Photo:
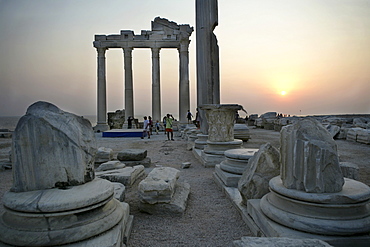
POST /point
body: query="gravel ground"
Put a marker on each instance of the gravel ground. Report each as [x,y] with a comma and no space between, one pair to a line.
[210,219]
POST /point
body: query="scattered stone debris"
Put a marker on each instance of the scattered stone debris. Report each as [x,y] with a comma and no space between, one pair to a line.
[185,165]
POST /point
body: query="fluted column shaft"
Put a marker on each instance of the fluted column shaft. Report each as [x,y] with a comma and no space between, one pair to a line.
[129,91]
[102,92]
[156,89]
[184,91]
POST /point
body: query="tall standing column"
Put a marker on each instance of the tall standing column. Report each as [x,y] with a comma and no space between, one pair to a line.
[156,89]
[102,92]
[208,77]
[184,94]
[129,91]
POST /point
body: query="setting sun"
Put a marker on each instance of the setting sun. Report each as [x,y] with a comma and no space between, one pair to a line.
[283,93]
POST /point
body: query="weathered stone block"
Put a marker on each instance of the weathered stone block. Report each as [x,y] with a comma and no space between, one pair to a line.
[145,162]
[110,165]
[132,154]
[241,132]
[333,130]
[119,191]
[126,176]
[309,158]
[363,136]
[176,206]
[48,143]
[352,134]
[185,165]
[263,166]
[103,155]
[349,170]
[159,185]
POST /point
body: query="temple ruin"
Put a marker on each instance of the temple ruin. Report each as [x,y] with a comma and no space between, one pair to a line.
[164,34]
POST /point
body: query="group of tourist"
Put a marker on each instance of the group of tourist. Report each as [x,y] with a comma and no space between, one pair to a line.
[167,123]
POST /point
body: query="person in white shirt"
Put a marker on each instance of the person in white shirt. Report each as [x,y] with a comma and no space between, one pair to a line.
[146,129]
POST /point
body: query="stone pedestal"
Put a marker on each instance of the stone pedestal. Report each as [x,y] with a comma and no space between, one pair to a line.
[220,119]
[192,137]
[56,199]
[236,162]
[213,153]
[311,196]
[201,141]
[341,213]
[63,216]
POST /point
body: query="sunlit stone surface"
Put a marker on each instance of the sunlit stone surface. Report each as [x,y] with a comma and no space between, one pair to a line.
[55,199]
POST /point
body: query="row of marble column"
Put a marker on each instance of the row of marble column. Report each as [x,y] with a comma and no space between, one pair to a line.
[184,94]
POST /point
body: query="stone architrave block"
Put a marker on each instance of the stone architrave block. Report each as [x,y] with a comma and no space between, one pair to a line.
[103,155]
[110,165]
[349,170]
[159,185]
[363,136]
[353,133]
[309,158]
[52,148]
[126,176]
[264,165]
[132,155]
[119,191]
[279,242]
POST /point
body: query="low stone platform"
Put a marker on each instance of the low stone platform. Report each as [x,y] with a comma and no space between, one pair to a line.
[123,133]
[229,179]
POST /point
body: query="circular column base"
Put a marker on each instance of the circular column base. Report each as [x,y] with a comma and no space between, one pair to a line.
[343,213]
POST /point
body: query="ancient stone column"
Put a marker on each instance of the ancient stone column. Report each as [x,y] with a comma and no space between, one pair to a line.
[184,94]
[102,94]
[221,118]
[311,194]
[208,76]
[129,93]
[156,89]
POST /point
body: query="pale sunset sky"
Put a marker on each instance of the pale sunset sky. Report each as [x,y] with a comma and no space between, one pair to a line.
[291,56]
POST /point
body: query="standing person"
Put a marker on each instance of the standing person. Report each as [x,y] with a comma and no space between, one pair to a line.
[169,122]
[157,125]
[189,116]
[164,123]
[150,125]
[197,119]
[129,122]
[146,128]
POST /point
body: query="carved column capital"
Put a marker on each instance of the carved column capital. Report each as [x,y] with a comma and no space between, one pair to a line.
[155,52]
[184,46]
[101,51]
[127,51]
